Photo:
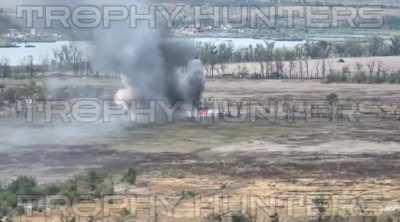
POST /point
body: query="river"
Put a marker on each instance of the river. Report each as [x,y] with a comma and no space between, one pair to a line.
[41,51]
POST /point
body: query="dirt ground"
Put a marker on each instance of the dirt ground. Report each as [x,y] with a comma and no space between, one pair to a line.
[222,157]
[245,148]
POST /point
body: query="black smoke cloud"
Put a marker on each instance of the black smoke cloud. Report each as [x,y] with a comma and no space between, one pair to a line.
[153,65]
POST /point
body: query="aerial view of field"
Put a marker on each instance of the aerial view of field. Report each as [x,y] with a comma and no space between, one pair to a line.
[104,117]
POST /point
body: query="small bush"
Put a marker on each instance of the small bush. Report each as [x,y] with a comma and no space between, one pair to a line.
[130,176]
[20,210]
[23,185]
[8,199]
[69,188]
[332,98]
[10,95]
[239,217]
[360,77]
[188,194]
[394,77]
[93,180]
[8,194]
[51,189]
[333,77]
[4,211]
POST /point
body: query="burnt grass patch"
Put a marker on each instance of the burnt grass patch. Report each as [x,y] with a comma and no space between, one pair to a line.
[64,159]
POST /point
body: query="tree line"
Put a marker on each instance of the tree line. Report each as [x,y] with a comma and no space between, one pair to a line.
[66,59]
[272,60]
[95,182]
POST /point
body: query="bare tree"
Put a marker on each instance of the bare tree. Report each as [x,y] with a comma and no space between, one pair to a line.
[269,50]
[5,67]
[323,68]
[301,68]
[371,67]
[209,56]
[29,66]
[292,65]
[359,67]
[376,45]
[316,64]
[379,69]
[260,53]
[307,68]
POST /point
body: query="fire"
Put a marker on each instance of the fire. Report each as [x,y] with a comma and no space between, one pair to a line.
[123,96]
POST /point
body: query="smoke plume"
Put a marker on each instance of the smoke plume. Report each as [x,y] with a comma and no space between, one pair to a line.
[153,65]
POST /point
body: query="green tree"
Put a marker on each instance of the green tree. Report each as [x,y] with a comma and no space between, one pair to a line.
[395,47]
[130,176]
[93,180]
[34,90]
[376,45]
[320,203]
[5,68]
[23,185]
[240,217]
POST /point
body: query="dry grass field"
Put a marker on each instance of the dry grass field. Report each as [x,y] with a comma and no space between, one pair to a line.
[210,159]
[315,67]
[66,149]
